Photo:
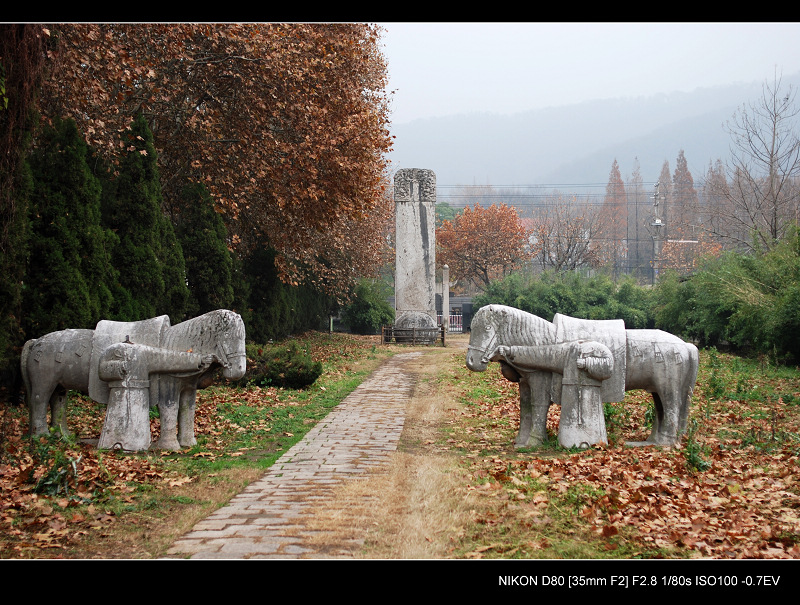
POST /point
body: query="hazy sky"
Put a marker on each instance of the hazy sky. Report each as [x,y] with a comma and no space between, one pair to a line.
[448,68]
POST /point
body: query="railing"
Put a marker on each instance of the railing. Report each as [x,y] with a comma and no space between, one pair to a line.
[456,323]
[412,336]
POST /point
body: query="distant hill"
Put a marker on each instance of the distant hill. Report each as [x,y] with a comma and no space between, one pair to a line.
[576,144]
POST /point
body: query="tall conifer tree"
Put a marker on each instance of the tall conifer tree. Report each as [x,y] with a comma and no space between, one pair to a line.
[664,208]
[640,245]
[149,257]
[69,264]
[615,220]
[22,58]
[209,264]
[684,199]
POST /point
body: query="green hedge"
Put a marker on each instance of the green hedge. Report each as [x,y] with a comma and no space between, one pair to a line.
[368,310]
[749,302]
[593,297]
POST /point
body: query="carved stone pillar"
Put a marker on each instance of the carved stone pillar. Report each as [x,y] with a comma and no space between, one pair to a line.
[582,422]
[415,245]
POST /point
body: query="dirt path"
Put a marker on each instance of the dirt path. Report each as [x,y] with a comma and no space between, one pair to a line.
[411,509]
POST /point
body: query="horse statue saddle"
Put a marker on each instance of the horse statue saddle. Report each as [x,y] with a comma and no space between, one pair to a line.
[609,332]
[146,332]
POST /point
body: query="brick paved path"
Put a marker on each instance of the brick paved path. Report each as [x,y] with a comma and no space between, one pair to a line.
[266,520]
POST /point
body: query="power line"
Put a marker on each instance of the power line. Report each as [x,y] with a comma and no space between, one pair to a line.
[633,196]
[496,188]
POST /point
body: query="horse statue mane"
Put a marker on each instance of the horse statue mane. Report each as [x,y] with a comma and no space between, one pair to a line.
[518,326]
[214,332]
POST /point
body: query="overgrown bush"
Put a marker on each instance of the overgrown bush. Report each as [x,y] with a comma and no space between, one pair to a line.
[284,365]
[369,309]
[749,301]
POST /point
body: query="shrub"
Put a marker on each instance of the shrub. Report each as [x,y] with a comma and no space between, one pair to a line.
[284,365]
[749,301]
[368,310]
[570,293]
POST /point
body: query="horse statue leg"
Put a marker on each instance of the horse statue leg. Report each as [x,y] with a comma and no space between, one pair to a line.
[534,403]
[186,417]
[43,392]
[671,385]
[168,412]
[39,399]
[665,422]
[525,413]
[540,390]
[58,411]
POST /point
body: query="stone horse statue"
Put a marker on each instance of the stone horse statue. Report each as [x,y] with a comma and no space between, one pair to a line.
[69,360]
[653,360]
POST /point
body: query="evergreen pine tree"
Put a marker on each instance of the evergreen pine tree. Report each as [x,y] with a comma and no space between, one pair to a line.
[149,257]
[12,269]
[209,264]
[69,265]
[273,309]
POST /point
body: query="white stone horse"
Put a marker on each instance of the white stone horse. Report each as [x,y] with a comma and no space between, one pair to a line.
[68,359]
[653,360]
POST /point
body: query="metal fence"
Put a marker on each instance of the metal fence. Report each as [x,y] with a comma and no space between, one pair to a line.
[456,323]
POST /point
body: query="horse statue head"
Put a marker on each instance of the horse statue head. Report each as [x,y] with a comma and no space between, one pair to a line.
[495,325]
[220,333]
[483,339]
[231,344]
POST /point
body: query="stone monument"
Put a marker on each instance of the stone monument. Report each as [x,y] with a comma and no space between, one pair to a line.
[415,256]
[144,364]
[582,364]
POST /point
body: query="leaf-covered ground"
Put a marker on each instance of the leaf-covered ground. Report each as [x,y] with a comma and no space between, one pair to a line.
[732,490]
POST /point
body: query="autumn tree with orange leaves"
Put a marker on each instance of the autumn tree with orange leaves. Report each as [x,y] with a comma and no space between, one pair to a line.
[483,244]
[685,255]
[285,124]
[615,225]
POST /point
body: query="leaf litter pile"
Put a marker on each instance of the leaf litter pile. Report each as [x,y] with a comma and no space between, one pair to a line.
[731,490]
[54,492]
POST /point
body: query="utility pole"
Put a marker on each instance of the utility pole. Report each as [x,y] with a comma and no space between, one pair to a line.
[657,225]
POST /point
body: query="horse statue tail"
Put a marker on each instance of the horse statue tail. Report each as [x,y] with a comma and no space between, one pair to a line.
[690,378]
[23,363]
